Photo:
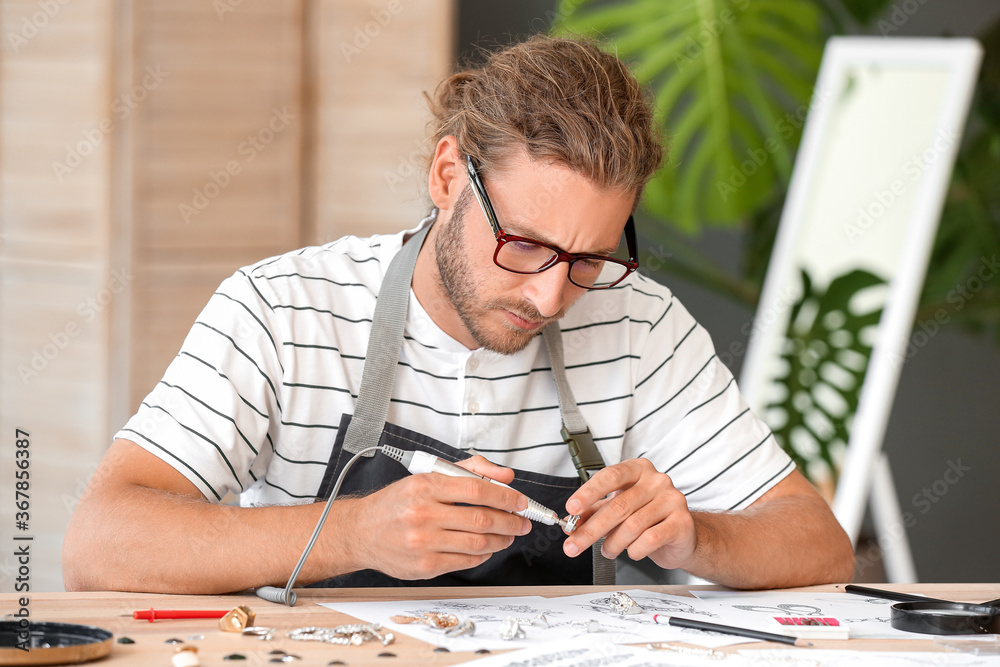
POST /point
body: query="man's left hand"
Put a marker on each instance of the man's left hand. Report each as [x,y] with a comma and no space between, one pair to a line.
[638,509]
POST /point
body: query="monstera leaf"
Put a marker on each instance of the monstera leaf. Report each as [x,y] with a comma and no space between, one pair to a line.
[824,359]
[732,80]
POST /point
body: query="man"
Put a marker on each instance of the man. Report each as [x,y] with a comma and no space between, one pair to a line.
[540,159]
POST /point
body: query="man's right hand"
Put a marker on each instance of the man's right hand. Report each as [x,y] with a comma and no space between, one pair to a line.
[142,526]
[429,524]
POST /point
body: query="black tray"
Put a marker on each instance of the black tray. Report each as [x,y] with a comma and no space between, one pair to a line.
[52,643]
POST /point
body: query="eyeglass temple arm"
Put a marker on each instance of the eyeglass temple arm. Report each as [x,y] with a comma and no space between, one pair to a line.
[480,191]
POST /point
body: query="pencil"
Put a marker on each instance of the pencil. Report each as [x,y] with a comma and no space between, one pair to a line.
[729,630]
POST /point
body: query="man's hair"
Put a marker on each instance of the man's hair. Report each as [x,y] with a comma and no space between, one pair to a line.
[558,99]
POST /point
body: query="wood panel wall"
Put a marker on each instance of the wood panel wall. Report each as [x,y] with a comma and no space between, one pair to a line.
[216,134]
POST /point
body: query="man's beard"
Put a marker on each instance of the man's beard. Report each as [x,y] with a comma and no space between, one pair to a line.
[456,279]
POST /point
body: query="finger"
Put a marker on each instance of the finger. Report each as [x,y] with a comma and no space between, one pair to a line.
[482,466]
[471,491]
[631,534]
[608,515]
[605,481]
[472,544]
[673,538]
[483,521]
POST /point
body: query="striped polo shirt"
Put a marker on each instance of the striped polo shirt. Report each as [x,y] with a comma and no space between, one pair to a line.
[254,399]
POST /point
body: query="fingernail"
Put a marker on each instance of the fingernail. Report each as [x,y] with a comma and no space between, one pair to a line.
[526,527]
[522,503]
[570,549]
[573,507]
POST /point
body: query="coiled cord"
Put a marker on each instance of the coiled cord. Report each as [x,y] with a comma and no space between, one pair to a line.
[286,596]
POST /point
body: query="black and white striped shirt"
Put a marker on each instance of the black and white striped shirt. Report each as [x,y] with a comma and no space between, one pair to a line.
[253,401]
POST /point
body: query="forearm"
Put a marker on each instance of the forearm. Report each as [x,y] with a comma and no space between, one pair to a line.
[147,540]
[786,542]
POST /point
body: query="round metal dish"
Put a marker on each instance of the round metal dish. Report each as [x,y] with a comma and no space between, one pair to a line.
[945,618]
[52,643]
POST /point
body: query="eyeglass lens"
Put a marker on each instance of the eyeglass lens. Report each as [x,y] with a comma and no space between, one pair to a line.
[527,257]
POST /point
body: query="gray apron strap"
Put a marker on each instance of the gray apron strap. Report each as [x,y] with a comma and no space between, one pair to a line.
[576,434]
[384,344]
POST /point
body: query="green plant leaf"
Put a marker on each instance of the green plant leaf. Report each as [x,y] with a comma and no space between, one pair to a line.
[824,360]
[724,73]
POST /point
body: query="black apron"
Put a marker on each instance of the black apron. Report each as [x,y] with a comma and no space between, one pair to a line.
[535,559]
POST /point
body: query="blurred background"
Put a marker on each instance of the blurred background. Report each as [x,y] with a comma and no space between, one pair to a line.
[149,149]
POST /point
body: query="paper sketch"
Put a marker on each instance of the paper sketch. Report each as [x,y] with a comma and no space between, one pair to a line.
[867,617]
[566,618]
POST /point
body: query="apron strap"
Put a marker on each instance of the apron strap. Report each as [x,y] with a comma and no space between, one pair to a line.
[576,434]
[382,357]
[384,344]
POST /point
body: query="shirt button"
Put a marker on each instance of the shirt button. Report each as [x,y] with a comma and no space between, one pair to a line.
[473,364]
[473,407]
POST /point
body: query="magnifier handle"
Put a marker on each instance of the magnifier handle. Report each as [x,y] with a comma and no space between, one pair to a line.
[889,595]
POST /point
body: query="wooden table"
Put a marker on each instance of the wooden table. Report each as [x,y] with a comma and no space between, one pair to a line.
[113,611]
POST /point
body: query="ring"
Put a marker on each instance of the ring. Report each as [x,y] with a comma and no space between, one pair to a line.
[623,605]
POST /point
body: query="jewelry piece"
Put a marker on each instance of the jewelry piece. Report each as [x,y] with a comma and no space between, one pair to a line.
[466,627]
[587,626]
[571,522]
[236,620]
[711,654]
[433,619]
[539,620]
[405,619]
[353,634]
[623,605]
[260,632]
[511,629]
[185,656]
[441,621]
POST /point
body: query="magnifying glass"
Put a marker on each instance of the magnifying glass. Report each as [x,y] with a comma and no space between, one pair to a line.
[915,613]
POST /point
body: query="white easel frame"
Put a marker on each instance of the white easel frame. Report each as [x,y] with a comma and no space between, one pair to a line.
[865,473]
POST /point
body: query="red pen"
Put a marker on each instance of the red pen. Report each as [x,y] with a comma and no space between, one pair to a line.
[154,614]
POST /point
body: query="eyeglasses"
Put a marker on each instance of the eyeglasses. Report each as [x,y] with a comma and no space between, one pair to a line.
[519,254]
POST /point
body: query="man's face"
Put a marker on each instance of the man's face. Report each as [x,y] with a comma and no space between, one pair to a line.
[501,310]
